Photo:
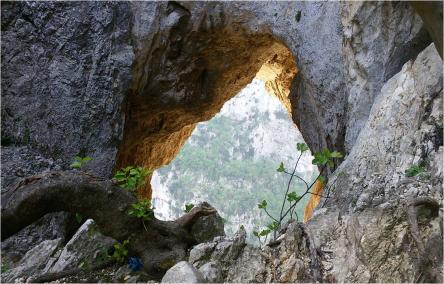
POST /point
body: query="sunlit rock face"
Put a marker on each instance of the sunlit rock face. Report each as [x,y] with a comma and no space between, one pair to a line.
[384,225]
[231,160]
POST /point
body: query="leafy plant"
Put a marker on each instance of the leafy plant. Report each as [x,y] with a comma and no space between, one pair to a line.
[281,168]
[120,251]
[103,255]
[273,226]
[262,205]
[79,162]
[131,177]
[323,159]
[142,209]
[415,170]
[188,207]
[302,147]
[293,197]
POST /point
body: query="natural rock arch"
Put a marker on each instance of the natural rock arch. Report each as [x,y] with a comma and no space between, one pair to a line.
[194,74]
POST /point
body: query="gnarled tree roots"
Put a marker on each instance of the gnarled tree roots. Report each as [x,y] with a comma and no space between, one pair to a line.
[160,245]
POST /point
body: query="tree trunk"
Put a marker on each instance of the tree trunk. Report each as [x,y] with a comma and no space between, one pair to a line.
[160,245]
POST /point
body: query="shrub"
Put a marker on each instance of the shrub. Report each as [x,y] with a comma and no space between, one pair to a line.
[323,159]
[120,251]
[131,177]
[142,209]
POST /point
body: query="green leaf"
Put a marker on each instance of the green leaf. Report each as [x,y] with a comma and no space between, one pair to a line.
[292,196]
[142,209]
[273,226]
[265,232]
[330,163]
[281,168]
[76,165]
[188,207]
[336,154]
[79,162]
[321,179]
[326,153]
[86,159]
[263,204]
[319,159]
[302,147]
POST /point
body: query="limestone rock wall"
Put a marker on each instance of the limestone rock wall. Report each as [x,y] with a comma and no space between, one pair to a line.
[404,129]
[65,72]
[375,48]
[125,83]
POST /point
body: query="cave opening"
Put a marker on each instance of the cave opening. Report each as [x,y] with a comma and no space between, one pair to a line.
[230,161]
[163,113]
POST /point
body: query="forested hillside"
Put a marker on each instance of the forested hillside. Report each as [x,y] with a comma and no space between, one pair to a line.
[231,161]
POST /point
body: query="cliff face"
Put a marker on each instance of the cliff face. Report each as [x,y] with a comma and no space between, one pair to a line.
[125,83]
[67,68]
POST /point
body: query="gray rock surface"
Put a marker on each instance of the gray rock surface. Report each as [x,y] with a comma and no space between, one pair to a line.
[375,48]
[66,67]
[289,259]
[50,227]
[404,128]
[83,249]
[33,262]
[182,272]
[212,272]
[207,228]
[21,162]
[76,74]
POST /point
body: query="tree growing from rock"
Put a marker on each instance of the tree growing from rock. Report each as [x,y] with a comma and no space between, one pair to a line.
[160,244]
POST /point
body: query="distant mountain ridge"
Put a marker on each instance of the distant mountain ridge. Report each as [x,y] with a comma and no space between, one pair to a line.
[231,160]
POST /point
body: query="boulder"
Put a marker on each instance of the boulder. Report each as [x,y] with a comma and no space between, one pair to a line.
[183,272]
[208,227]
[87,247]
[52,226]
[34,262]
[212,272]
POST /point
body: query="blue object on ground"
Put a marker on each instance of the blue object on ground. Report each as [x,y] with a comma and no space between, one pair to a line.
[135,263]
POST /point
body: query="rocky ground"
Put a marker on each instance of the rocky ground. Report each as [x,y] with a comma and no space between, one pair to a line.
[126,82]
